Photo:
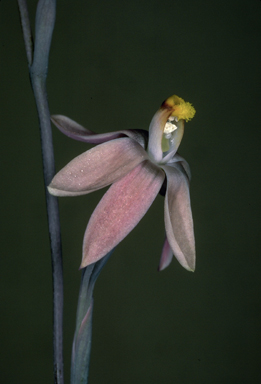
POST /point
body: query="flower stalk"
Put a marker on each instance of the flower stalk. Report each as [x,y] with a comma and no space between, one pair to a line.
[37,56]
[81,349]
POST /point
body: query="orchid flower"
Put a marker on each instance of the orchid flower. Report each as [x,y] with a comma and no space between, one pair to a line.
[139,164]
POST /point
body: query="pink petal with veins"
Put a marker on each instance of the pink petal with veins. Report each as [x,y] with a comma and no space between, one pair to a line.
[120,210]
[97,168]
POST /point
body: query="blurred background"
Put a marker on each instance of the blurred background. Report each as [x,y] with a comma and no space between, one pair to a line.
[112,63]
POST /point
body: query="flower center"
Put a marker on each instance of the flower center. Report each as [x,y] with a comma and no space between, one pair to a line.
[168,133]
[170,126]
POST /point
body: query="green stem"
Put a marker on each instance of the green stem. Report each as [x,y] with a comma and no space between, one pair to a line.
[83,333]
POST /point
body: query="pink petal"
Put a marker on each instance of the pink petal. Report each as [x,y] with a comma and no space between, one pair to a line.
[98,167]
[178,217]
[120,210]
[180,160]
[76,131]
[166,256]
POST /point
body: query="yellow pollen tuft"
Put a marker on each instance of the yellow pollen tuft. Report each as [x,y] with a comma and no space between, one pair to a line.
[181,109]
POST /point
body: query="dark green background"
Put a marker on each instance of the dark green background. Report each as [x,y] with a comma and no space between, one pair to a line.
[112,63]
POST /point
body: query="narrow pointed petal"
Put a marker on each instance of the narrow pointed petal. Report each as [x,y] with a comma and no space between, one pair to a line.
[166,256]
[97,168]
[120,210]
[76,131]
[178,217]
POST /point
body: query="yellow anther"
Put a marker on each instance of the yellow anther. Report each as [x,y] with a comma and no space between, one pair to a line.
[181,109]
